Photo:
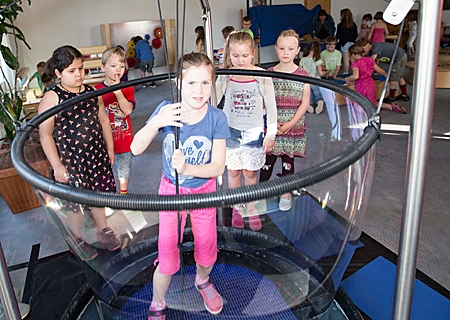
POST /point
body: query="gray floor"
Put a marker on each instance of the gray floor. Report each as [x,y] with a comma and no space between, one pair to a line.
[383,217]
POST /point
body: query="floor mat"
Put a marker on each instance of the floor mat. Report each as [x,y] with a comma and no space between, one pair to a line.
[246,295]
[372,290]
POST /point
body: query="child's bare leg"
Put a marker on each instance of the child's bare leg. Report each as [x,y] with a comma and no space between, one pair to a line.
[160,284]
[251,178]
[74,223]
[234,179]
[99,217]
[203,272]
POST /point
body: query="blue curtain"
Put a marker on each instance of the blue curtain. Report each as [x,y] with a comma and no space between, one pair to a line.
[271,20]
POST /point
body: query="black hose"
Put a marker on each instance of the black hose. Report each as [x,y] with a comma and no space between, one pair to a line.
[245,194]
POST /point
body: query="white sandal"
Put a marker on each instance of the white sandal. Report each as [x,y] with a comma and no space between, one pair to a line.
[285,203]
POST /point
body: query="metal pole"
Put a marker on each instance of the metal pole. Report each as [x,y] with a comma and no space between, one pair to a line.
[421,123]
[209,50]
[7,295]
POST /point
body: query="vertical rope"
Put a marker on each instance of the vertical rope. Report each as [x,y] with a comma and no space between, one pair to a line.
[161,21]
[177,144]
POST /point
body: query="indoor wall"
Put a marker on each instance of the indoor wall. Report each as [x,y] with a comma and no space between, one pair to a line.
[49,24]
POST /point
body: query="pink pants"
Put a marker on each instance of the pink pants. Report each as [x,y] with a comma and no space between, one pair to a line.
[203,227]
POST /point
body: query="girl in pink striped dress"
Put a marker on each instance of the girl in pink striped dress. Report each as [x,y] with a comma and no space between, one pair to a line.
[292,98]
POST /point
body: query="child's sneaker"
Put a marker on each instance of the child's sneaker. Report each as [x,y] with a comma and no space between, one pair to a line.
[211,298]
[156,314]
[237,221]
[87,251]
[319,107]
[285,203]
[389,100]
[109,239]
[398,108]
[403,97]
[311,109]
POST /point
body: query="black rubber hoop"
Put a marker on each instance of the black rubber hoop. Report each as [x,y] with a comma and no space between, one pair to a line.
[153,202]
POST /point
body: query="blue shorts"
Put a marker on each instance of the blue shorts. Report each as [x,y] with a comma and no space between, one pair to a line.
[123,161]
[344,49]
[245,151]
[244,138]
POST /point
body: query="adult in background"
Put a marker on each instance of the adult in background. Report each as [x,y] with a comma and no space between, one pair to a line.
[346,35]
[323,26]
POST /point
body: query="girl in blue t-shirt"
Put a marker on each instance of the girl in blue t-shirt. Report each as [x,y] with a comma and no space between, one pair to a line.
[198,161]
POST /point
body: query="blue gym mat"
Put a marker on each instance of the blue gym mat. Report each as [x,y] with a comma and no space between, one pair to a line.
[372,287]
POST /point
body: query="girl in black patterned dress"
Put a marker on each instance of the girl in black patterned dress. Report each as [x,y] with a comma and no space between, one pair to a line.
[78,143]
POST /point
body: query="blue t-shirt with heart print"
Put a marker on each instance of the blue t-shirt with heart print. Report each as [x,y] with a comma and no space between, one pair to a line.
[195,141]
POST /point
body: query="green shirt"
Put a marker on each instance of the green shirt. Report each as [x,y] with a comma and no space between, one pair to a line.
[39,80]
[250,32]
[331,60]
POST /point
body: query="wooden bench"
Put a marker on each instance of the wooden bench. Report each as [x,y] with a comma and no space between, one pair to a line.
[93,62]
[442,72]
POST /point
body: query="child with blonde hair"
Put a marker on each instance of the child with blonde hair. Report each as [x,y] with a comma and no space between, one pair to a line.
[246,100]
[292,98]
[118,105]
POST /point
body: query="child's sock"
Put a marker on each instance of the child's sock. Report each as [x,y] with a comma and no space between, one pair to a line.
[123,191]
[157,306]
[403,90]
[392,92]
[199,281]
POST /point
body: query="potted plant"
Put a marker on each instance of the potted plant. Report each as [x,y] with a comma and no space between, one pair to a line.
[17,193]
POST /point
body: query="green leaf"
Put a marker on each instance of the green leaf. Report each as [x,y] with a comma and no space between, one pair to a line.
[9,57]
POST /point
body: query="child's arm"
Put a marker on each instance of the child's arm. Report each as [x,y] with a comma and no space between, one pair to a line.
[386,30]
[106,128]
[354,76]
[379,70]
[271,111]
[126,106]
[301,110]
[321,70]
[371,31]
[213,169]
[220,88]
[168,115]
[335,73]
[46,129]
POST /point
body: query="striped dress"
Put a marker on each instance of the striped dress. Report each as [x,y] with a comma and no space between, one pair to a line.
[288,95]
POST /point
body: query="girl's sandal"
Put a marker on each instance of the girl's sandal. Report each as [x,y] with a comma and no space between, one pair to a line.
[253,219]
